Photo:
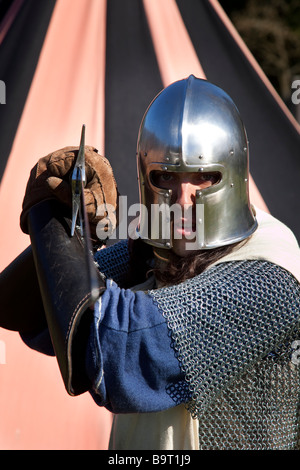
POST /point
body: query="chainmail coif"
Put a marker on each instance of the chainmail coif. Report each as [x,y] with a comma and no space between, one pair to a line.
[232,328]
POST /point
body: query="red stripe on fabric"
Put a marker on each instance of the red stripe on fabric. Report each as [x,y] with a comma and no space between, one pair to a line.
[67,91]
[176,55]
[174,50]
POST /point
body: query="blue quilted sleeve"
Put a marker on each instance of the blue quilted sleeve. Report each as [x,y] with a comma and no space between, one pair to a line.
[130,360]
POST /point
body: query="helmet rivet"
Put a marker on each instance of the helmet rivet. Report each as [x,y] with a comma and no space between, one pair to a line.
[164,168]
[167,159]
[168,245]
[232,184]
[200,156]
[201,169]
[231,152]
[245,149]
[246,179]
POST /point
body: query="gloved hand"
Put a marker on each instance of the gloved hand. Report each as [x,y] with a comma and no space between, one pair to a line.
[51,178]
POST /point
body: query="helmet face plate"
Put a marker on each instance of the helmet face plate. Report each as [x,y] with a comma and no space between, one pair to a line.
[194,126]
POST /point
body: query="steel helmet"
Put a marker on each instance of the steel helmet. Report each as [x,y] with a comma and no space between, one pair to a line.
[191,126]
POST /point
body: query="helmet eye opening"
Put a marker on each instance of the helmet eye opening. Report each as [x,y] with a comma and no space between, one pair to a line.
[163,179]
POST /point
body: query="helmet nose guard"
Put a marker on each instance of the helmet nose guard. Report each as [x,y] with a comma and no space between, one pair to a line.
[194,126]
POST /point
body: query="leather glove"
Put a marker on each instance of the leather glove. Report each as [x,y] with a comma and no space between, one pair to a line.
[51,176]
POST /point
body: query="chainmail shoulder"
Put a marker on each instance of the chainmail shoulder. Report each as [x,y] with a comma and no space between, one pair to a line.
[113,261]
[223,322]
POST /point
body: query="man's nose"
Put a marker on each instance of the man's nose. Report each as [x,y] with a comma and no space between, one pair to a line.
[185,194]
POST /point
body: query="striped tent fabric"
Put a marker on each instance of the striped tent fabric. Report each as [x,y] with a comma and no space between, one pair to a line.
[68,62]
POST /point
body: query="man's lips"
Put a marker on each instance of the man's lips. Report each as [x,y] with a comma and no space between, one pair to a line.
[184,227]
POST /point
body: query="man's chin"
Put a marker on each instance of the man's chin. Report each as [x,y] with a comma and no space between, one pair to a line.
[184,247]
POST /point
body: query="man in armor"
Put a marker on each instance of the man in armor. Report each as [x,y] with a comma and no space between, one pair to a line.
[192,339]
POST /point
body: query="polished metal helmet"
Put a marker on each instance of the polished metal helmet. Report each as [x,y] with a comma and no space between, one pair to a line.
[194,126]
